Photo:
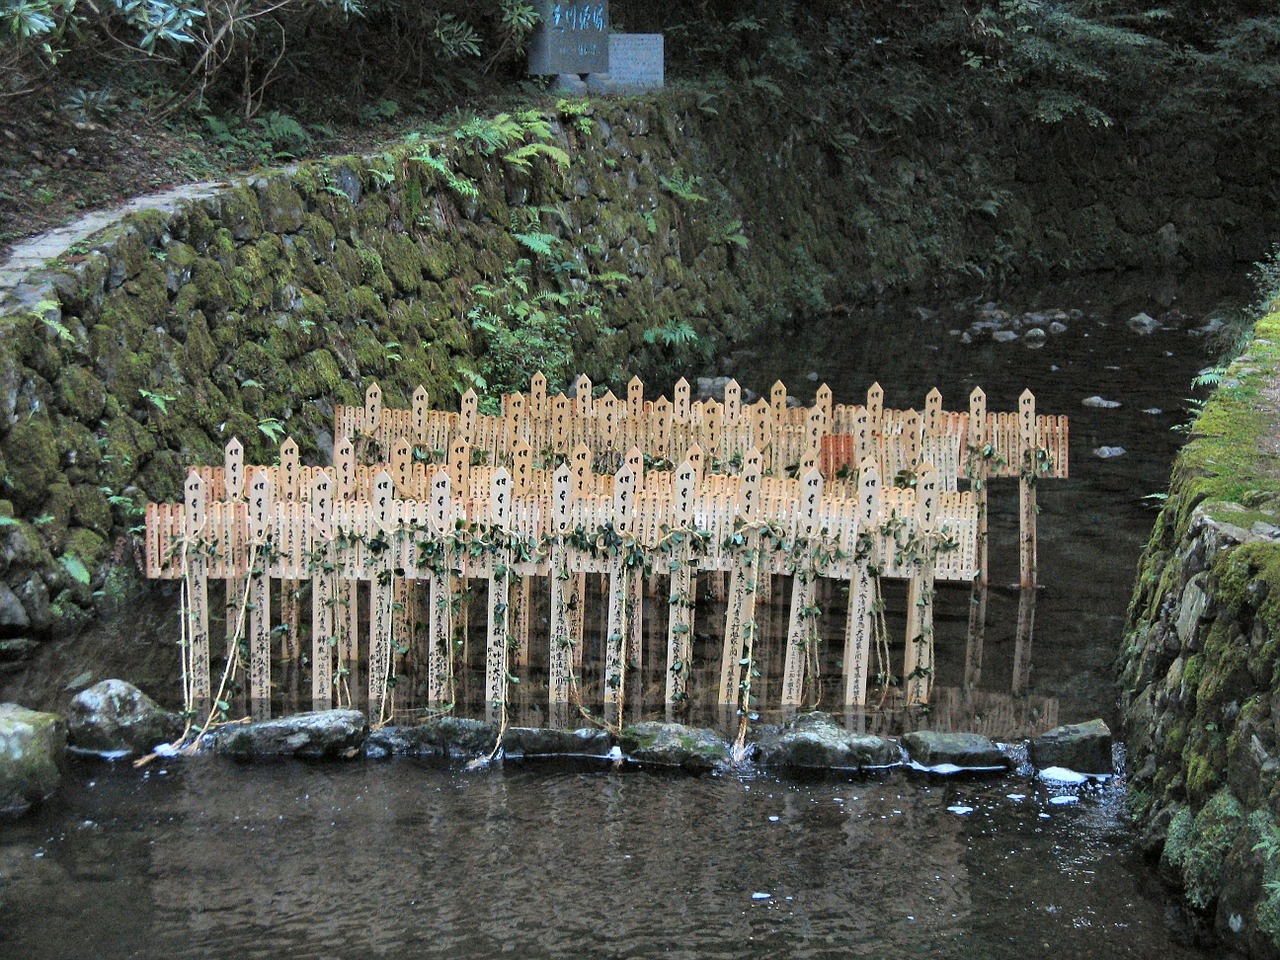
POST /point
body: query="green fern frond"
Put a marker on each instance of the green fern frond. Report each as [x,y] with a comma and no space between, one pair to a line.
[542,244]
[522,156]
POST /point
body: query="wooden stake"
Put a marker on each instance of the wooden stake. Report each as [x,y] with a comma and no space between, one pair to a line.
[197,652]
[560,655]
[859,627]
[978,470]
[683,579]
[440,623]
[260,500]
[1027,546]
[499,601]
[324,592]
[740,614]
[616,632]
[917,664]
[799,629]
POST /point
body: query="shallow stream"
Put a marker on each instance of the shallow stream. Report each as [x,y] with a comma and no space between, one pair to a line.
[205,858]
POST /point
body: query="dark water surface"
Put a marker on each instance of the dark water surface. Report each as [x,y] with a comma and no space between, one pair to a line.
[208,859]
[203,858]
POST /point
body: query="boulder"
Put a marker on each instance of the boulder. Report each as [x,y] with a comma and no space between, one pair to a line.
[1083,747]
[321,735]
[819,741]
[1143,324]
[673,744]
[569,85]
[116,717]
[31,747]
[932,748]
[712,388]
[548,742]
[441,737]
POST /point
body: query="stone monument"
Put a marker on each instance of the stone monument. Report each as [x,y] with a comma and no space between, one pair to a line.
[571,39]
[635,64]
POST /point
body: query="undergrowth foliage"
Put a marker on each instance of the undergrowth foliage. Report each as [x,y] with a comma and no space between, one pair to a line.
[237,53]
[864,68]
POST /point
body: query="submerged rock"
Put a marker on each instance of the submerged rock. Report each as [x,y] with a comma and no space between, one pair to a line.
[31,746]
[1109,453]
[814,740]
[969,750]
[441,737]
[673,744]
[1083,747]
[547,742]
[1100,403]
[324,734]
[116,717]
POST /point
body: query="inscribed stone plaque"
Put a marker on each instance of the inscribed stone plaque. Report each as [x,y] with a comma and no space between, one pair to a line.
[635,61]
[572,37]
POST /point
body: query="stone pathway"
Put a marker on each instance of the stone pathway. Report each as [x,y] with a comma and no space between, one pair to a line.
[33,253]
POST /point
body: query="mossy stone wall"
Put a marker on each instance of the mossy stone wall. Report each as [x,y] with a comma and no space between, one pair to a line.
[1199,668]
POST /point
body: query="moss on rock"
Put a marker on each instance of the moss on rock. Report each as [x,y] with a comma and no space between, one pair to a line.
[31,456]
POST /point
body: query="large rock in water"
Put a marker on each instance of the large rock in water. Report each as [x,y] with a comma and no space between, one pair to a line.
[322,735]
[932,748]
[1083,747]
[441,737]
[117,717]
[673,744]
[549,742]
[31,745]
[817,740]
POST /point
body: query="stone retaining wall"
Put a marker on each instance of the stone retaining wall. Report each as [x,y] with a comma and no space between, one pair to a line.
[1200,678]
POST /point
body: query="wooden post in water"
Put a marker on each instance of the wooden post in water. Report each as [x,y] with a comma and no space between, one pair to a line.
[198,685]
[801,632]
[626,489]
[917,664]
[234,481]
[977,463]
[324,594]
[521,601]
[1027,546]
[440,630]
[582,485]
[683,583]
[499,564]
[740,612]
[618,626]
[260,501]
[859,627]
[560,655]
[381,597]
